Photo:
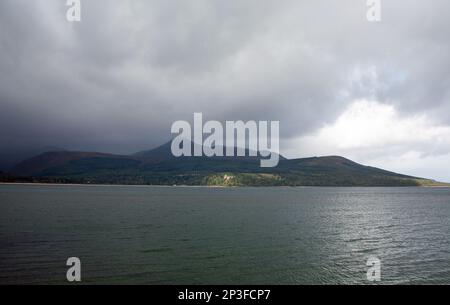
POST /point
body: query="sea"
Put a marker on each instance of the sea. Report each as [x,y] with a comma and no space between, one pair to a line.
[242,235]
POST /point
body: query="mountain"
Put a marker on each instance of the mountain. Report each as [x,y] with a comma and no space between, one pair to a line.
[39,165]
[164,153]
[159,167]
[160,153]
[8,159]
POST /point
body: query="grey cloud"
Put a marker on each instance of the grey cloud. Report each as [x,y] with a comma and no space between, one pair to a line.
[117,80]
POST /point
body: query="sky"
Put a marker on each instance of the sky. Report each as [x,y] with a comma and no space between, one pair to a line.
[375,92]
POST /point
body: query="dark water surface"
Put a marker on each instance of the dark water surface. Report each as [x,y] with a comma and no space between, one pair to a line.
[181,235]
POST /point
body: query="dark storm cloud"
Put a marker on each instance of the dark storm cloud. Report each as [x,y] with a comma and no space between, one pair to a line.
[117,80]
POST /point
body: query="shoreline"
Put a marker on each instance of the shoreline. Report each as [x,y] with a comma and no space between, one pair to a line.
[205,186]
[97,184]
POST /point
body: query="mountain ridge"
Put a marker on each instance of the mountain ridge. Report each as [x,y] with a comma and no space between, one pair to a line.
[159,167]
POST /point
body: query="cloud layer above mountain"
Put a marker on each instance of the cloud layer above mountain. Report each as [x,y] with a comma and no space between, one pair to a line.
[338,84]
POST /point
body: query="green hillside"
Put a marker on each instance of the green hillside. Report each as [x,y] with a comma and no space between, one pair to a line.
[159,167]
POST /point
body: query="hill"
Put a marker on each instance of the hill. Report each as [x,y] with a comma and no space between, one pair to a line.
[159,167]
[10,158]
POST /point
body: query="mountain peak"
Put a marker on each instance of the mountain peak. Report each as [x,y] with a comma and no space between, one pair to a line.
[164,152]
